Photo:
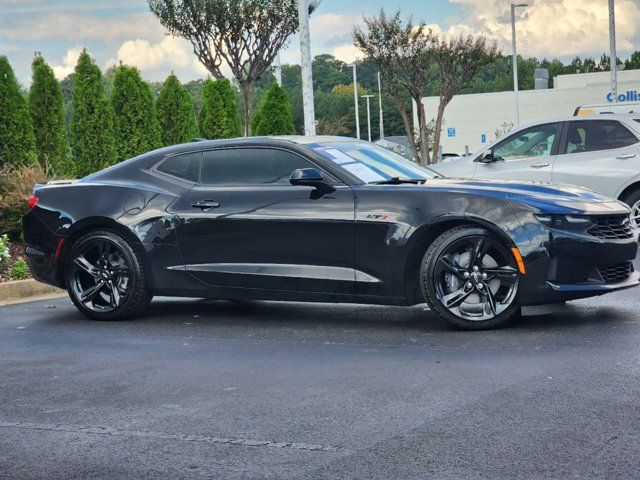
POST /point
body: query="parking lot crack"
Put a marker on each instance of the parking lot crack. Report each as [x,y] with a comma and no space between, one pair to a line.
[182,437]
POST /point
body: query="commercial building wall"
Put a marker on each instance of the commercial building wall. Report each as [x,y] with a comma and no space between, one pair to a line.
[472,120]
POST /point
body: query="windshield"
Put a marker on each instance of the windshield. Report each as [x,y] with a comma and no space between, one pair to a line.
[371,163]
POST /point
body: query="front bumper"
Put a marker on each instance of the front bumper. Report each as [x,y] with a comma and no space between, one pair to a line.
[572,265]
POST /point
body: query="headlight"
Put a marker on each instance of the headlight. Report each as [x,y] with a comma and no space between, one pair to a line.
[565,222]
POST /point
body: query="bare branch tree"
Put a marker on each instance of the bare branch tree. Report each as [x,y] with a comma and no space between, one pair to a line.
[459,61]
[246,35]
[403,52]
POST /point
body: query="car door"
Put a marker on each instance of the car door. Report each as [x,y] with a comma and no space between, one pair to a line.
[245,226]
[526,155]
[596,154]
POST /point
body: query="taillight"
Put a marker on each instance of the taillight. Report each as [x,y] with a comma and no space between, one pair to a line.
[33,201]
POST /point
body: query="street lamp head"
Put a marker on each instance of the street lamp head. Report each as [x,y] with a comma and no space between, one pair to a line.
[518,5]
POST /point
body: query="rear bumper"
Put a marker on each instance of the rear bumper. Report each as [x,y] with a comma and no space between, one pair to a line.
[43,249]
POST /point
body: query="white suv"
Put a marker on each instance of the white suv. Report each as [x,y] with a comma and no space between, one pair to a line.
[601,153]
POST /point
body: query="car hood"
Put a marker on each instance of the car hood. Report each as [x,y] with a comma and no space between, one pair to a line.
[546,197]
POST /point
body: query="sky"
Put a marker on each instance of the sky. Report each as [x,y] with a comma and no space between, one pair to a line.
[125,30]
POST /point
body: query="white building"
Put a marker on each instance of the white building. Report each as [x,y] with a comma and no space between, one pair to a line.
[472,120]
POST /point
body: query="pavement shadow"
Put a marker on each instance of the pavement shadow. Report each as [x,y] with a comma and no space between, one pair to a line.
[264,315]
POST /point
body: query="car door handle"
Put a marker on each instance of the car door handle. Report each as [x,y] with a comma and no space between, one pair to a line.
[626,156]
[205,204]
[539,165]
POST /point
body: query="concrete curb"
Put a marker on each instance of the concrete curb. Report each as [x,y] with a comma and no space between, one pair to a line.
[24,290]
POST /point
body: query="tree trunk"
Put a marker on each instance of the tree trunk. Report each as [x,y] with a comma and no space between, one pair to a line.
[438,130]
[247,90]
[401,105]
[422,128]
[410,135]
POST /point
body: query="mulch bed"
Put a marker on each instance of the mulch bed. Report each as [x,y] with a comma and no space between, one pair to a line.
[16,252]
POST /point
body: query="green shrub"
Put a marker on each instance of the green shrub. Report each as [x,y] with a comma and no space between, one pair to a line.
[19,270]
[17,142]
[47,115]
[136,126]
[16,186]
[92,120]
[219,117]
[4,249]
[176,113]
[274,116]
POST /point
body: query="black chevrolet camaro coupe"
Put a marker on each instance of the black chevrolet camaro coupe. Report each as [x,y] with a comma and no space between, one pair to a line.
[322,219]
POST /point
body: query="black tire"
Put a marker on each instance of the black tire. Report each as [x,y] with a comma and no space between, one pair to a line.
[633,200]
[434,283]
[127,280]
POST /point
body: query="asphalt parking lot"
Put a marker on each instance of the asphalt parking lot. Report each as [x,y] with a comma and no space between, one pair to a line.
[207,389]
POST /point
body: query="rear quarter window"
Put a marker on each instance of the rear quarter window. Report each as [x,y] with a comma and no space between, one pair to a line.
[186,166]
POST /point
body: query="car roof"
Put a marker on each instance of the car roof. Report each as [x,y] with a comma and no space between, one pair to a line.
[271,140]
[600,116]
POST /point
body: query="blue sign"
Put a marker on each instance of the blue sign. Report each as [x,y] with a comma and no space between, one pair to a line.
[629,96]
[451,132]
[484,138]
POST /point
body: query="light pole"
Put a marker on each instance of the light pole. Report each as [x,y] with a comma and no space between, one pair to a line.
[355,99]
[613,58]
[515,58]
[380,102]
[277,70]
[307,77]
[368,97]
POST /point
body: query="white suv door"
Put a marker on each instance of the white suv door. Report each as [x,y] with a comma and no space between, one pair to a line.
[597,154]
[526,155]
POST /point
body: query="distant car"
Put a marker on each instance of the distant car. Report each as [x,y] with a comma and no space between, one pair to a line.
[599,153]
[323,219]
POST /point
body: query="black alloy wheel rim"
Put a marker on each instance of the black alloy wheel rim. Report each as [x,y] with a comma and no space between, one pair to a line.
[100,276]
[475,278]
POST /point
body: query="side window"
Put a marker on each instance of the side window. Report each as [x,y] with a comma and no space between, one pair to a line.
[250,166]
[185,166]
[624,138]
[533,142]
[594,136]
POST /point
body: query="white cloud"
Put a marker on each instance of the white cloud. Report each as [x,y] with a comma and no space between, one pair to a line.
[68,63]
[330,25]
[156,60]
[82,27]
[347,53]
[553,28]
[169,53]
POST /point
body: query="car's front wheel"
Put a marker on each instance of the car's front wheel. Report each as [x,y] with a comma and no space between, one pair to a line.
[633,200]
[470,279]
[105,277]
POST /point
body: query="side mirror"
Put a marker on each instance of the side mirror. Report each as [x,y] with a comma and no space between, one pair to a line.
[310,177]
[487,157]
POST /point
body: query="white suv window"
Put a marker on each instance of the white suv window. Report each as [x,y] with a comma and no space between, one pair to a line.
[533,142]
[597,135]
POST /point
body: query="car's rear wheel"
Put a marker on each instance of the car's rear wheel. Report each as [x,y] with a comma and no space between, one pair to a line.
[470,279]
[105,277]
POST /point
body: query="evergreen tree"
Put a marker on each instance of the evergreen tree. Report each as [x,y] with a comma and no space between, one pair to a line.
[17,142]
[228,95]
[175,113]
[275,117]
[92,123]
[47,115]
[255,120]
[136,126]
[212,121]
